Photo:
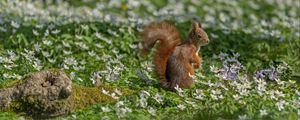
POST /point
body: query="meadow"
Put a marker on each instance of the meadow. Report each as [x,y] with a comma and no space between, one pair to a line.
[250,68]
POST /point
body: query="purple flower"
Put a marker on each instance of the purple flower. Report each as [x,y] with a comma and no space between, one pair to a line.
[269,73]
[230,66]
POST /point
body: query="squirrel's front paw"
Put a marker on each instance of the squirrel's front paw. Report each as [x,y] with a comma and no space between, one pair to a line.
[196,66]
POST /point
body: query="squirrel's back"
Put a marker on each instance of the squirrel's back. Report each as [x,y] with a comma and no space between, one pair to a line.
[168,38]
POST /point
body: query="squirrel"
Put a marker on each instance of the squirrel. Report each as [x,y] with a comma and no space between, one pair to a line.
[174,61]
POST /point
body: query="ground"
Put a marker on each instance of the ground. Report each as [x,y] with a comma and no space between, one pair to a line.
[250,68]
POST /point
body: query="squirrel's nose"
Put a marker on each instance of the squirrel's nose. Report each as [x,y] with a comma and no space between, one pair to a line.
[207,41]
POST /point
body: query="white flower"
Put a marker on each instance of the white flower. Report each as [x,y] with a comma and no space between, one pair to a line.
[51,60]
[279,93]
[70,61]
[118,92]
[120,104]
[114,96]
[199,94]
[35,32]
[243,117]
[191,103]
[15,24]
[121,112]
[2,29]
[144,94]
[99,36]
[280,105]
[214,96]
[67,52]
[46,32]
[105,92]
[37,64]
[236,97]
[143,102]
[214,69]
[47,42]
[37,47]
[158,98]
[152,111]
[56,31]
[92,53]
[105,109]
[180,92]
[181,107]
[105,118]
[46,54]
[263,112]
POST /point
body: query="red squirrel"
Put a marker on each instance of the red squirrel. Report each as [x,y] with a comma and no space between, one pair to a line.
[174,60]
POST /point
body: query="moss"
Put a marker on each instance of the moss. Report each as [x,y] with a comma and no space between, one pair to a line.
[10,84]
[81,97]
[85,96]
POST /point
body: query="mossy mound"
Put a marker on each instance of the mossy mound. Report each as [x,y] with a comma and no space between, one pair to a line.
[40,96]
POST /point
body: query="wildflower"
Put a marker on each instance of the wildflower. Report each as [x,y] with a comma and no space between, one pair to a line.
[180,92]
[37,64]
[67,52]
[270,73]
[242,117]
[191,103]
[52,60]
[46,54]
[70,61]
[55,32]
[199,94]
[119,104]
[105,118]
[47,42]
[181,107]
[105,109]
[105,92]
[152,111]
[143,102]
[99,36]
[118,92]
[263,112]
[35,32]
[15,24]
[92,53]
[280,105]
[230,67]
[158,98]
[2,29]
[46,33]
[236,97]
[39,26]
[74,116]
[114,96]
[37,47]
[144,94]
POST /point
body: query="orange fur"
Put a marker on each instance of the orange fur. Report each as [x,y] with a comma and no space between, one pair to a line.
[174,60]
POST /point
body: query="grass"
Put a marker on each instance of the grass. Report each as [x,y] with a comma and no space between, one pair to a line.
[93,40]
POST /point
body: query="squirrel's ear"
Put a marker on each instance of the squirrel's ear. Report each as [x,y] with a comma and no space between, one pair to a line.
[199,24]
[196,24]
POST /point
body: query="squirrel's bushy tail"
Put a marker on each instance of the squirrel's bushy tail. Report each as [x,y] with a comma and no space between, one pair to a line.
[168,38]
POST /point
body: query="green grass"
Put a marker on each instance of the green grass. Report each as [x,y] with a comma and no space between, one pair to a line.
[264,33]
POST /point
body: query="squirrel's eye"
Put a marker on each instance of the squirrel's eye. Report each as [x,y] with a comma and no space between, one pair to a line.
[199,36]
